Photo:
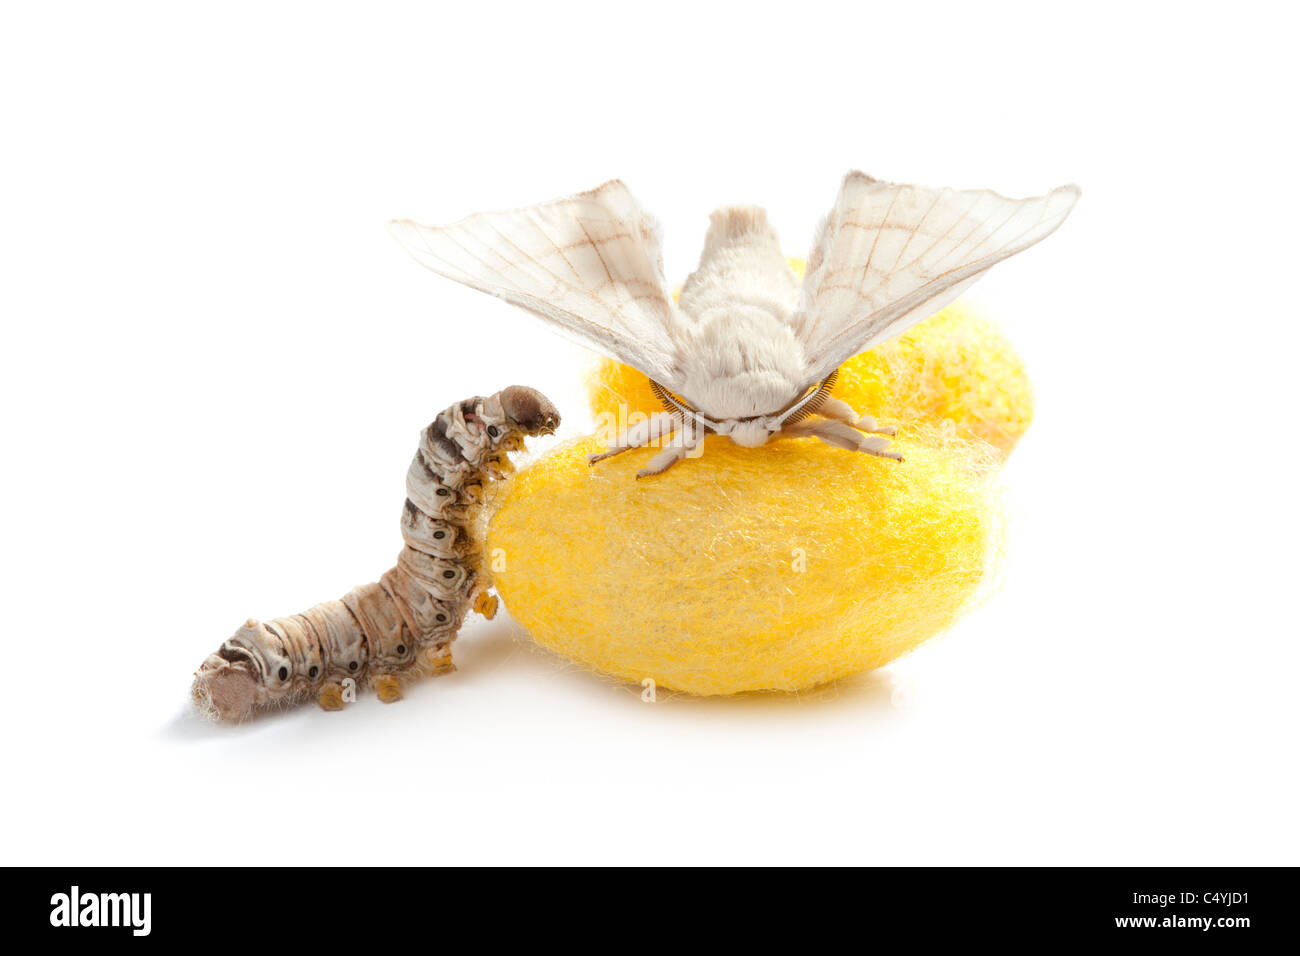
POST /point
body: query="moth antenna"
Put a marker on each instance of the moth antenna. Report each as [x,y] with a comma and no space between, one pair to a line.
[680,409]
[816,401]
[662,394]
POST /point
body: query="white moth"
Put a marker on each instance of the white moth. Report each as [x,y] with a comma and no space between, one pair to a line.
[747,352]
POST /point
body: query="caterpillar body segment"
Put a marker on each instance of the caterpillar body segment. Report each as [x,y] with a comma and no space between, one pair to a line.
[399,628]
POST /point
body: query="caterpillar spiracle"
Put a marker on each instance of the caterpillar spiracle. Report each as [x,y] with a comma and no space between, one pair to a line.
[401,627]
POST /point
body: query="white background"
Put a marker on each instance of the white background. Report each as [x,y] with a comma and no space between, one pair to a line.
[216,363]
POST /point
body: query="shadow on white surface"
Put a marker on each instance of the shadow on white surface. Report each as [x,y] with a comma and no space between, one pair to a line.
[497,658]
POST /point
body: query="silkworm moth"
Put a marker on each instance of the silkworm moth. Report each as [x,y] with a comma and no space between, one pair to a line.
[748,351]
[400,627]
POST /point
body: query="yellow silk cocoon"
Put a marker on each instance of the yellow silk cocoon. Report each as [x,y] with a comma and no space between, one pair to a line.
[775,568]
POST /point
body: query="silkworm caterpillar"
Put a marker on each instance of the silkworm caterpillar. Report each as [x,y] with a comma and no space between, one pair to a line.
[400,627]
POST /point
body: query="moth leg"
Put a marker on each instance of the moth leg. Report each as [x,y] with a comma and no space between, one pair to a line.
[639,435]
[841,411]
[842,435]
[868,424]
[682,445]
[389,688]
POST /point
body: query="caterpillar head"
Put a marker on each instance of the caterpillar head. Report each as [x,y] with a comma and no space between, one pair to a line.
[529,411]
[514,412]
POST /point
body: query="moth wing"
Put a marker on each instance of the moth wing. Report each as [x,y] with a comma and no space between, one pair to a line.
[590,264]
[889,255]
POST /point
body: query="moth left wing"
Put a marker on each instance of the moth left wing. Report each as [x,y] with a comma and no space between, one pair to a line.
[589,264]
[890,255]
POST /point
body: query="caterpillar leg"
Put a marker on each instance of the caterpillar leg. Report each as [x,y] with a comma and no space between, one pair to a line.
[440,661]
[658,425]
[487,604]
[388,688]
[842,435]
[840,411]
[331,697]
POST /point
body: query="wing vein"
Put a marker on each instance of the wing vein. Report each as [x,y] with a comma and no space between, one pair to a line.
[866,269]
[915,230]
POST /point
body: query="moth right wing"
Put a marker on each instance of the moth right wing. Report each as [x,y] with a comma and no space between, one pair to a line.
[590,264]
[890,255]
